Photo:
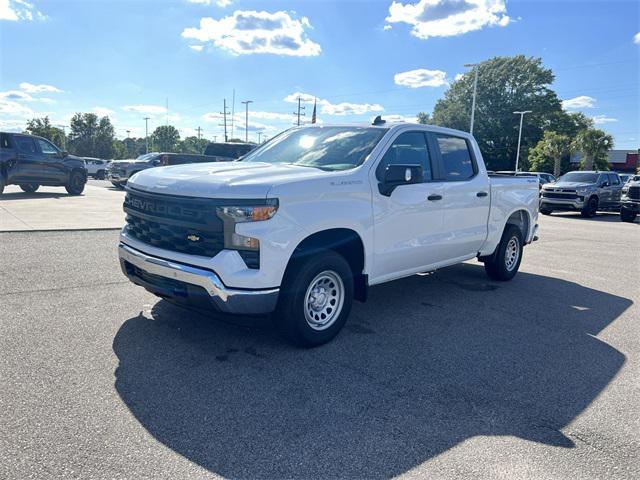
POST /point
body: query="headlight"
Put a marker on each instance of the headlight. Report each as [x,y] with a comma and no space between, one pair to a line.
[582,191]
[244,213]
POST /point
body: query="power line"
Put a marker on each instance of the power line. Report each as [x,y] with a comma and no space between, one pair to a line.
[299,114]
[246,121]
[224,113]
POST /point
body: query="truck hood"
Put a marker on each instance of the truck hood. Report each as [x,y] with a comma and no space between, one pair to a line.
[221,179]
[552,186]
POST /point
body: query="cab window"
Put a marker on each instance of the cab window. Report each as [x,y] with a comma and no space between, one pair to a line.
[47,147]
[26,144]
[409,148]
[456,158]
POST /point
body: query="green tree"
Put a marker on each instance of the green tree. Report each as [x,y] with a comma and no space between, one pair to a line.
[42,127]
[91,136]
[424,118]
[505,85]
[193,145]
[593,144]
[548,153]
[166,138]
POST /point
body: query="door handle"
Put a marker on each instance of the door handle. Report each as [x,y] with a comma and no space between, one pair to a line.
[481,194]
[433,198]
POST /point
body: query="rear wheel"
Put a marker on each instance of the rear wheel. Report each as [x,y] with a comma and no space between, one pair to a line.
[505,261]
[1,184]
[75,185]
[101,175]
[590,209]
[29,187]
[545,211]
[315,299]
[627,215]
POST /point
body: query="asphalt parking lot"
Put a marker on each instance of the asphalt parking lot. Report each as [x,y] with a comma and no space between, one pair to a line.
[446,375]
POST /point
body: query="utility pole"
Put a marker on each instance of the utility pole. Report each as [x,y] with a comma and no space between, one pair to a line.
[233,112]
[224,113]
[522,114]
[246,120]
[199,130]
[146,134]
[299,114]
[259,134]
[215,138]
[64,136]
[128,133]
[475,89]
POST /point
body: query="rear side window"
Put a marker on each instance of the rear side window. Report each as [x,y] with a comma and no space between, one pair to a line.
[409,148]
[614,179]
[4,141]
[456,158]
[26,144]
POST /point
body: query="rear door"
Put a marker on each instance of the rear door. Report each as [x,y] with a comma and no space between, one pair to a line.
[616,188]
[466,196]
[28,167]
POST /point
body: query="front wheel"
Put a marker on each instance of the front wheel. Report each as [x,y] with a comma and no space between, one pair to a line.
[590,209]
[75,185]
[29,187]
[627,215]
[101,175]
[315,299]
[1,184]
[545,211]
[505,261]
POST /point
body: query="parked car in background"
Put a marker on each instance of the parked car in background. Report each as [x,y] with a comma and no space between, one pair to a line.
[30,161]
[228,151]
[584,191]
[119,171]
[96,167]
[304,224]
[625,177]
[630,201]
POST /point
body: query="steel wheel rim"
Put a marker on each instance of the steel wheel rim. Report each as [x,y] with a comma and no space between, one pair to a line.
[323,300]
[512,254]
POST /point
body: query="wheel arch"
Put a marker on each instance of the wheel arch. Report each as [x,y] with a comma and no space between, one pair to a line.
[345,242]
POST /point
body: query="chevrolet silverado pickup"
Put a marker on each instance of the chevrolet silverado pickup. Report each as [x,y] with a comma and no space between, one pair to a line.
[307,222]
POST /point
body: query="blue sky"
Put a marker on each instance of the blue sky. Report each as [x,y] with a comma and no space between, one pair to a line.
[359,58]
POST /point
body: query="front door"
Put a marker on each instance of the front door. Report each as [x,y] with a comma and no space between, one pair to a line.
[52,166]
[408,222]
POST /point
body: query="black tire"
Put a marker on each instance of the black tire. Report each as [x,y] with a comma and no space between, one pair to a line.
[590,208]
[1,184]
[101,175]
[545,211]
[502,265]
[627,215]
[29,187]
[325,270]
[75,184]
[118,185]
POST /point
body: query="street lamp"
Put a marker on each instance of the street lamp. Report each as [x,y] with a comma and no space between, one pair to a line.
[522,114]
[64,136]
[475,88]
[246,120]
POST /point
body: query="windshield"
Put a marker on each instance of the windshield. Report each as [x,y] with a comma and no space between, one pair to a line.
[579,177]
[328,148]
[147,156]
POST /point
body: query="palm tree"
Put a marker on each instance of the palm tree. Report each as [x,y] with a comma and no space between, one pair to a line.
[555,146]
[593,144]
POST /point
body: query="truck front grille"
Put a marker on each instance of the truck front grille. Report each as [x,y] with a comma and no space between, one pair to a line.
[179,224]
[634,193]
[567,196]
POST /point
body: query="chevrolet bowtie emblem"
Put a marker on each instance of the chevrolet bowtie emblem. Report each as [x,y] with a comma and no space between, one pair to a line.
[193,238]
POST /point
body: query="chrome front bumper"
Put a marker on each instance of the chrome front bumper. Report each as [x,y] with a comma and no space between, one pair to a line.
[179,276]
[562,203]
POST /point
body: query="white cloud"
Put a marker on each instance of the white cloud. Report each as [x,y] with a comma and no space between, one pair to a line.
[601,119]
[17,95]
[31,88]
[16,10]
[387,27]
[247,32]
[421,78]
[458,76]
[220,3]
[445,18]
[271,116]
[15,109]
[636,38]
[103,111]
[328,108]
[197,48]
[400,118]
[576,103]
[145,109]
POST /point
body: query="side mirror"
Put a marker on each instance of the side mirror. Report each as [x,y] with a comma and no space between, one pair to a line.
[397,175]
[64,154]
[157,162]
[605,184]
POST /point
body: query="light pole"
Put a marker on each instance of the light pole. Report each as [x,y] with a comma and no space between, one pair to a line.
[522,114]
[64,136]
[146,134]
[475,89]
[246,120]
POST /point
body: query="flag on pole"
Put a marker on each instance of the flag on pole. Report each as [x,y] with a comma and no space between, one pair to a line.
[313,116]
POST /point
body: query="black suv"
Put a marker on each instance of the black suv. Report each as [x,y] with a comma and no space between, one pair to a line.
[630,202]
[228,151]
[30,161]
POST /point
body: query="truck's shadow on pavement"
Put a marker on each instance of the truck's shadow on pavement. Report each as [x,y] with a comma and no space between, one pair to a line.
[427,363]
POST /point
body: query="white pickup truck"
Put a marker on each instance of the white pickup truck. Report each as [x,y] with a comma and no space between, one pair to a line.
[304,224]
